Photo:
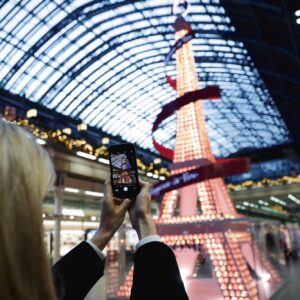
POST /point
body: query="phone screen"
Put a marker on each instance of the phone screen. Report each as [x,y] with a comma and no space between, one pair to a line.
[123,170]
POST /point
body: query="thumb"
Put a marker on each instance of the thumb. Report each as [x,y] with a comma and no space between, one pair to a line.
[108,188]
[125,204]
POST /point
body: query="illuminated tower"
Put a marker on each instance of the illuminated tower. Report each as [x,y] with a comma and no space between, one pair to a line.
[207,218]
[192,143]
[209,197]
[200,218]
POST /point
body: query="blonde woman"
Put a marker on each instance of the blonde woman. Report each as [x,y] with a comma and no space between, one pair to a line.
[26,173]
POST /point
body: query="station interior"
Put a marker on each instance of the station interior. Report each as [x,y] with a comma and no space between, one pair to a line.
[85,75]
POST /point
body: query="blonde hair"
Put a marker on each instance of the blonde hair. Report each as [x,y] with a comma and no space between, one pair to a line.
[26,172]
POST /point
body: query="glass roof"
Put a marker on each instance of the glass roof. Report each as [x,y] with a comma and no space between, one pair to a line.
[103,62]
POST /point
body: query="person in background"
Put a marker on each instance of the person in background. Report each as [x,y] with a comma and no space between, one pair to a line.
[285,243]
[26,174]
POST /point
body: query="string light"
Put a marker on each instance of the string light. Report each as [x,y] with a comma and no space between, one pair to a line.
[262,183]
[31,113]
[67,131]
[105,141]
[61,137]
[157,161]
[82,127]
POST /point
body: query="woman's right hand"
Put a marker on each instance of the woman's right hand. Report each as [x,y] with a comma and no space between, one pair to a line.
[140,213]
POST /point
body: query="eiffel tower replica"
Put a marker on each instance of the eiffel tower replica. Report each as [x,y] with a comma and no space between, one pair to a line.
[199,221]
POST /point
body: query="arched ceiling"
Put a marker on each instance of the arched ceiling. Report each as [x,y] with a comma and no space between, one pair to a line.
[103,62]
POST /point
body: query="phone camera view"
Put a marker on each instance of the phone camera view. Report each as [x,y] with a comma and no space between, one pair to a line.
[123,172]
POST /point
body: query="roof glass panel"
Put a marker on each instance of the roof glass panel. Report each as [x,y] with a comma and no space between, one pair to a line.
[103,62]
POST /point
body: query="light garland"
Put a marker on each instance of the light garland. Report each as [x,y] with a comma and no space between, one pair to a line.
[59,137]
[249,184]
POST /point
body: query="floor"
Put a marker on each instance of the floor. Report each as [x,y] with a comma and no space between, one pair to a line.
[291,288]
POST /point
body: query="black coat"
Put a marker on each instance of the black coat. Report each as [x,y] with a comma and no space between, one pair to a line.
[77,272]
[156,274]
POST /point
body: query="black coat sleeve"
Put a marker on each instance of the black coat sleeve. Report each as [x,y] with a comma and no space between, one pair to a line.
[77,272]
[156,274]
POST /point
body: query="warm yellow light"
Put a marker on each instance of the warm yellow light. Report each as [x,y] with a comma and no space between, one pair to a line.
[31,113]
[82,127]
[105,141]
[157,161]
[67,131]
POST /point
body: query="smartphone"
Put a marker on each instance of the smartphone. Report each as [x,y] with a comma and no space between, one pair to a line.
[123,170]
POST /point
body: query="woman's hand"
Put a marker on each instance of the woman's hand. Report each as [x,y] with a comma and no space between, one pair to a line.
[140,213]
[112,216]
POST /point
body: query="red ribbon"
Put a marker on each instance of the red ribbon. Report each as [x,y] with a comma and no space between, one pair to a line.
[208,93]
[171,82]
[221,168]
